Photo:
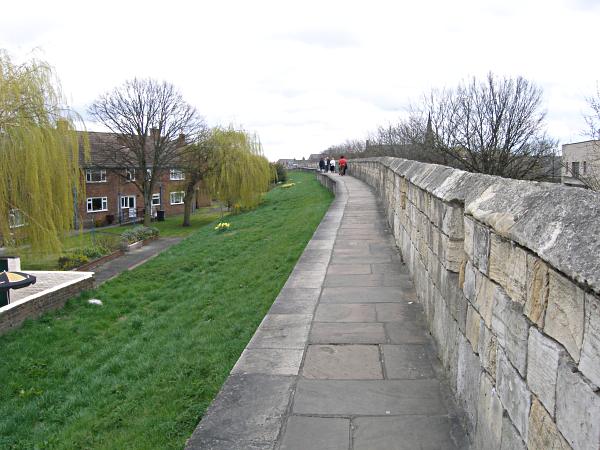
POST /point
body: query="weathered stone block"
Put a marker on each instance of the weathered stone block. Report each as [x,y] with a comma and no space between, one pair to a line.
[513,393]
[484,298]
[537,290]
[508,267]
[589,363]
[488,345]
[452,222]
[511,329]
[474,326]
[510,436]
[481,247]
[543,355]
[435,240]
[577,408]
[469,230]
[543,434]
[489,416]
[470,282]
[455,299]
[467,383]
[452,253]
[564,315]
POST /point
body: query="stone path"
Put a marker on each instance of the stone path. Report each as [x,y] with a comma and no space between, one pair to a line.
[132,259]
[343,360]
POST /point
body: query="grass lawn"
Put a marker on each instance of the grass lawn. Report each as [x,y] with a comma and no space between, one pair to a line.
[139,371]
[171,227]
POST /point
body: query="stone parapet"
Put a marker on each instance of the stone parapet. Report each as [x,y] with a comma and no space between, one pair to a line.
[508,273]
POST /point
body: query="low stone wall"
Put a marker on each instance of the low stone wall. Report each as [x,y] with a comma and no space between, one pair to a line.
[326,181]
[51,291]
[508,273]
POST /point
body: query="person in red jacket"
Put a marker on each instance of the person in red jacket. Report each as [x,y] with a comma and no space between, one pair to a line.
[342,163]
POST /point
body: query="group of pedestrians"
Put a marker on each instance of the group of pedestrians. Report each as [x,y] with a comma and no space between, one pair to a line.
[329,165]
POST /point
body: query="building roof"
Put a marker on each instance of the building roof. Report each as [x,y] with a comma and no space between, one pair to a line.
[108,150]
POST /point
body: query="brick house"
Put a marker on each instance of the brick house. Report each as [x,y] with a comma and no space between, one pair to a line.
[111,194]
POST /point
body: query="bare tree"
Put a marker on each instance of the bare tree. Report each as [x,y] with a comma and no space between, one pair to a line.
[495,126]
[348,147]
[151,123]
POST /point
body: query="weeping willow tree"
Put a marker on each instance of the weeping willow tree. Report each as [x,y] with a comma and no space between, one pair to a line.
[241,173]
[39,157]
[232,167]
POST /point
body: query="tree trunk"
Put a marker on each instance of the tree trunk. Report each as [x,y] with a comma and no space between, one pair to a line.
[188,200]
[148,207]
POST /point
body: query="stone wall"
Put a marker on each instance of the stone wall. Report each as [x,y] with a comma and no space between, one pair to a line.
[51,291]
[508,273]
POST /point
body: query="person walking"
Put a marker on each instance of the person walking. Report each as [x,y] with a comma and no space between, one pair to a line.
[343,163]
[321,165]
[327,164]
[332,165]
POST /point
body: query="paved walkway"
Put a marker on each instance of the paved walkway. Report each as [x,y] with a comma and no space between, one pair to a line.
[343,360]
[132,259]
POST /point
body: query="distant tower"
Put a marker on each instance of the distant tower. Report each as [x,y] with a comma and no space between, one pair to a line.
[429,138]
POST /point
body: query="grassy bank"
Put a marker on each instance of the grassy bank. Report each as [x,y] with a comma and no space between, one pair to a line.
[139,371]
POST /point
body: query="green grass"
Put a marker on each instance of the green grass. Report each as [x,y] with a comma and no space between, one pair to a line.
[171,227]
[139,371]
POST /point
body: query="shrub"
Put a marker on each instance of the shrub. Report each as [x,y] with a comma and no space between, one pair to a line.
[279,172]
[80,256]
[72,260]
[139,233]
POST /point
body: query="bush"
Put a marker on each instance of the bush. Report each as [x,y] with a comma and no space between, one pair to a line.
[72,260]
[279,172]
[139,233]
[80,256]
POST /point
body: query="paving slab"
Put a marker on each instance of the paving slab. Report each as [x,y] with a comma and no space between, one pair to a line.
[273,361]
[349,269]
[305,433]
[260,402]
[407,333]
[399,312]
[342,362]
[403,433]
[363,295]
[345,312]
[368,398]
[347,333]
[370,280]
[408,361]
[393,268]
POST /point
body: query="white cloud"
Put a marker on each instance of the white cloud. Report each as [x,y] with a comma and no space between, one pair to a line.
[306,75]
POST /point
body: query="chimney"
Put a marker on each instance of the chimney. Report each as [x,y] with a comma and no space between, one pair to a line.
[181,140]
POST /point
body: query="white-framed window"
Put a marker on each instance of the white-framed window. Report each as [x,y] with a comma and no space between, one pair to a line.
[128,201]
[130,174]
[177,197]
[155,199]
[16,218]
[95,176]
[176,174]
[96,204]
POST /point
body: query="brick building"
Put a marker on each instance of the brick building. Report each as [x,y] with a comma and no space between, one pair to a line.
[111,193]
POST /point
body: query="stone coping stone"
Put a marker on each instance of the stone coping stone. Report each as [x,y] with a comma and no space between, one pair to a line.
[559,223]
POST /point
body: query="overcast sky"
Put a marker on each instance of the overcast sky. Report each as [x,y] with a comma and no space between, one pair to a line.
[305,75]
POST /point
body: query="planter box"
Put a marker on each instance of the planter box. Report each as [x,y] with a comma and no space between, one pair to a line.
[99,261]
